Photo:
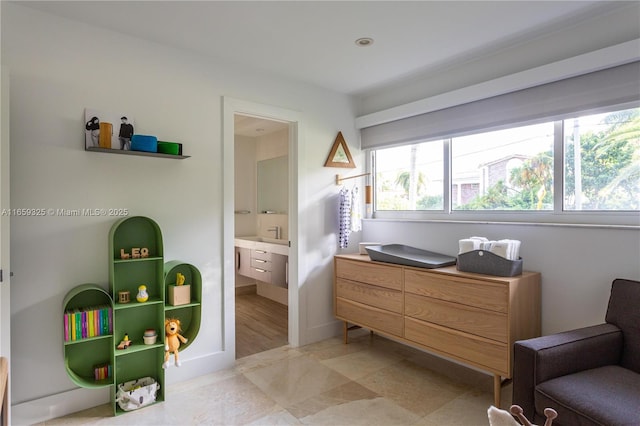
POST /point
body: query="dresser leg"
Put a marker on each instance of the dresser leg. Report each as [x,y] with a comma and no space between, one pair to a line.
[497,387]
[346,332]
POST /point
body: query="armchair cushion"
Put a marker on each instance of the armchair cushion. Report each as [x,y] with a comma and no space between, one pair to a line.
[606,396]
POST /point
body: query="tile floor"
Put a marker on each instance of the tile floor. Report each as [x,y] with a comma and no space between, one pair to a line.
[370,381]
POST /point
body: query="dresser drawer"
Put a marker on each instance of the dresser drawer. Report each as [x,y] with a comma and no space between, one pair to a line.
[474,350]
[369,316]
[380,297]
[480,322]
[481,294]
[369,272]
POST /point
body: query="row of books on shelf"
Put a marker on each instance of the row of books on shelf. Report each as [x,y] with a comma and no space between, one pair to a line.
[87,322]
[102,371]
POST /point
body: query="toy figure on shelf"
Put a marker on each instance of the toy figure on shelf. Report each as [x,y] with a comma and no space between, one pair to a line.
[180,279]
[142,295]
[125,343]
[172,341]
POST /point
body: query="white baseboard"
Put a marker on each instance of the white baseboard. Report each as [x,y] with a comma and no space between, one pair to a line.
[61,404]
[196,367]
[65,403]
[322,332]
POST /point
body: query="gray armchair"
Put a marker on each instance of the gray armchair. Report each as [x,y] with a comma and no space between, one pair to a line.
[590,376]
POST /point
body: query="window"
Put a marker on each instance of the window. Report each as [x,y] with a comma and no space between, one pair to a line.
[410,177]
[508,169]
[514,169]
[602,161]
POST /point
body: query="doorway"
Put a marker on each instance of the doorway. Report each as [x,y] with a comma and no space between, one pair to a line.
[261,151]
[292,119]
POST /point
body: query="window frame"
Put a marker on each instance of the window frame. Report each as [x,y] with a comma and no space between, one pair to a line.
[556,217]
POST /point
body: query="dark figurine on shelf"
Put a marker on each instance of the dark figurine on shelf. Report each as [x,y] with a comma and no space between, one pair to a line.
[126,131]
[93,126]
[125,343]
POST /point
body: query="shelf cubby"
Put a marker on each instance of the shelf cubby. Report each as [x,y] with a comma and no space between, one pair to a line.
[82,355]
[189,314]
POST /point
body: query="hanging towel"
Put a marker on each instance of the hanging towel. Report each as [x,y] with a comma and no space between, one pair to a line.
[356,212]
[344,218]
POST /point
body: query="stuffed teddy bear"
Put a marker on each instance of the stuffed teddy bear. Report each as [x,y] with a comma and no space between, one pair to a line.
[172,340]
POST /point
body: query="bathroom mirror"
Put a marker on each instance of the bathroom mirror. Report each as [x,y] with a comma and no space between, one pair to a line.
[273,185]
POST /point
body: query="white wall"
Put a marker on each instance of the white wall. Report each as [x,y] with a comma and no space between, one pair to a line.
[273,145]
[245,185]
[59,67]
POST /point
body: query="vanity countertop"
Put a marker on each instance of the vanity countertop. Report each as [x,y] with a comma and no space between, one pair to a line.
[263,243]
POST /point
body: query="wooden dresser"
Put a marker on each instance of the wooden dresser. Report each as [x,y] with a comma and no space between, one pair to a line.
[471,318]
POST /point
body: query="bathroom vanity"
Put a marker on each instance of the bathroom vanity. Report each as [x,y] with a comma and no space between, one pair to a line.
[266,261]
[470,318]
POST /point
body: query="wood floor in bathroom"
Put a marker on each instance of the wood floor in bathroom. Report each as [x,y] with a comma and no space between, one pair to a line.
[261,324]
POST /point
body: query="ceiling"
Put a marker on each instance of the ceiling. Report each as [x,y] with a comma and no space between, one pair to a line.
[314,41]
[245,125]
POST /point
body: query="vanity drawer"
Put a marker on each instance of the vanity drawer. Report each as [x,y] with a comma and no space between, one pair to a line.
[481,294]
[261,254]
[261,274]
[260,264]
[380,297]
[369,316]
[370,273]
[475,350]
[480,322]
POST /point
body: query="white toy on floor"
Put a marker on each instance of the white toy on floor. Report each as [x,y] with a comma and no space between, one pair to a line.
[498,417]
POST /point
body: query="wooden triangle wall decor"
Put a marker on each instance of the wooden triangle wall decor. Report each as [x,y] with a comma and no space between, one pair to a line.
[340,155]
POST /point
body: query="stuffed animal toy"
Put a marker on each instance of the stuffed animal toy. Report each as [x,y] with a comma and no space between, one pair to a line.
[172,341]
[498,417]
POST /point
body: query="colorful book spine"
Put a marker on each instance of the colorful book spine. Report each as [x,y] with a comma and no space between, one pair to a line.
[72,319]
[91,332]
[78,317]
[66,327]
[83,324]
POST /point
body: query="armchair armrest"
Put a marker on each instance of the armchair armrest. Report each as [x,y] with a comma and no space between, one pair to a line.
[542,358]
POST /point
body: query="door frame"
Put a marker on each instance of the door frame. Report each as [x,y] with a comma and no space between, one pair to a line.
[232,106]
[5,259]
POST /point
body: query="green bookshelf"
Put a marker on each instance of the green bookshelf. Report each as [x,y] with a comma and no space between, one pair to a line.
[136,257]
